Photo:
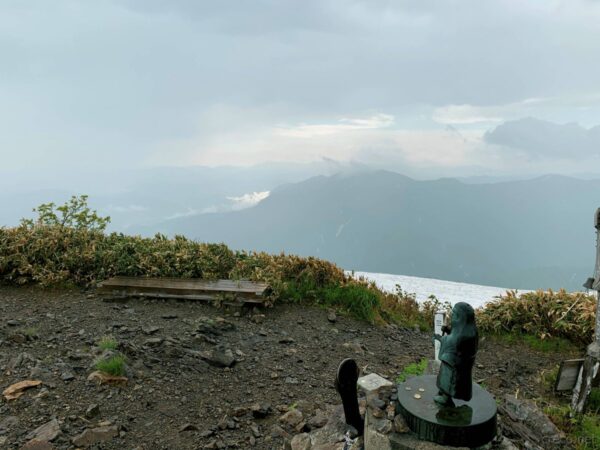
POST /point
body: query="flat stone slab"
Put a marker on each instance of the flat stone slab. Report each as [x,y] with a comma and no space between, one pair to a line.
[467,424]
[373,383]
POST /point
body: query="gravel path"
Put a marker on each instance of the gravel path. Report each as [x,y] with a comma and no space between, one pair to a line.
[198,377]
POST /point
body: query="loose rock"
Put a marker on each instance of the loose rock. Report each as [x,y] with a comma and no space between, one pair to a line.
[150,329]
[261,410]
[92,411]
[36,444]
[47,432]
[188,427]
[301,442]
[318,420]
[400,425]
[219,357]
[93,436]
[292,417]
[8,423]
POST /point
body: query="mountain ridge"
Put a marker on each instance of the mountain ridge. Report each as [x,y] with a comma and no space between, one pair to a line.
[381,221]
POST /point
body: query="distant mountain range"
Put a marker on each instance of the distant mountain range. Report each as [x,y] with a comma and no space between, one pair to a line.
[525,234]
[141,198]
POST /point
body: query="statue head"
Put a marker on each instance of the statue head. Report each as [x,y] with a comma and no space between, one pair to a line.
[463,319]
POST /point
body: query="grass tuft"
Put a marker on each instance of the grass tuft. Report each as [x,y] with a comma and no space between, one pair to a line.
[31,332]
[108,343]
[360,301]
[583,431]
[412,370]
[115,365]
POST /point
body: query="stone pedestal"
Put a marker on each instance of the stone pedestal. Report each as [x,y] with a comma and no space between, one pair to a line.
[385,434]
[384,428]
[387,429]
[467,423]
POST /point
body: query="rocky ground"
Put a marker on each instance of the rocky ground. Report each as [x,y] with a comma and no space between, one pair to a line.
[198,376]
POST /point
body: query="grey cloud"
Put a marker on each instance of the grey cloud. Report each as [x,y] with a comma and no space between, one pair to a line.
[541,138]
[114,81]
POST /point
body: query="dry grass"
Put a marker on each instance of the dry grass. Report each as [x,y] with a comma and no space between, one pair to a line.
[544,314]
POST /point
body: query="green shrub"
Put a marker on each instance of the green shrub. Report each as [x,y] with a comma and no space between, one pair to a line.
[583,430]
[403,308]
[67,245]
[588,435]
[73,249]
[75,213]
[593,405]
[360,300]
[115,365]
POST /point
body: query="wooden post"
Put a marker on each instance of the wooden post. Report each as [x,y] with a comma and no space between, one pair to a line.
[588,375]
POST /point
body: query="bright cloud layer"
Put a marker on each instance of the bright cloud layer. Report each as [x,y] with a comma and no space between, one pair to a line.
[240,83]
[248,200]
[343,126]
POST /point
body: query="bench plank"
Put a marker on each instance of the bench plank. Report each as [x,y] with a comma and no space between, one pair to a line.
[241,291]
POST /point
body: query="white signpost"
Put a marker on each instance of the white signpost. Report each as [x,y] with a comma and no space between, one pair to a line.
[438,323]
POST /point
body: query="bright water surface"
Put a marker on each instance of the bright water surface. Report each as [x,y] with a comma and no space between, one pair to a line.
[450,291]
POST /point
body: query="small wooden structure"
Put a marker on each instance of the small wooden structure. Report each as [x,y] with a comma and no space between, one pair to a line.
[230,292]
[568,374]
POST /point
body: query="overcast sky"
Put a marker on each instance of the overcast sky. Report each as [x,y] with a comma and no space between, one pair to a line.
[467,87]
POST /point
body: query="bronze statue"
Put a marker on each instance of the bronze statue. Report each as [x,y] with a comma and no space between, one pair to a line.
[457,355]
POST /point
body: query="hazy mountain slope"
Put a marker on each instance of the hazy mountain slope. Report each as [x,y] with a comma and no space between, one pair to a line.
[139,198]
[528,234]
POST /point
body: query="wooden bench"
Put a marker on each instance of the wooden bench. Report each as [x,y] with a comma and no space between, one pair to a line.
[234,292]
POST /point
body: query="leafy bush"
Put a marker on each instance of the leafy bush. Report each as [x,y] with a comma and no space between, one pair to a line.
[403,308]
[67,245]
[73,214]
[543,314]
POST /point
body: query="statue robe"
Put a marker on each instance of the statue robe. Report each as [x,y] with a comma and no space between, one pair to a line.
[457,354]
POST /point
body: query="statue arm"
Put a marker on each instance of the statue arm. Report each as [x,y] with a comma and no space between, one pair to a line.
[445,331]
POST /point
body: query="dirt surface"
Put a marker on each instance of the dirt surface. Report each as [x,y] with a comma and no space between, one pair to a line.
[180,394]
